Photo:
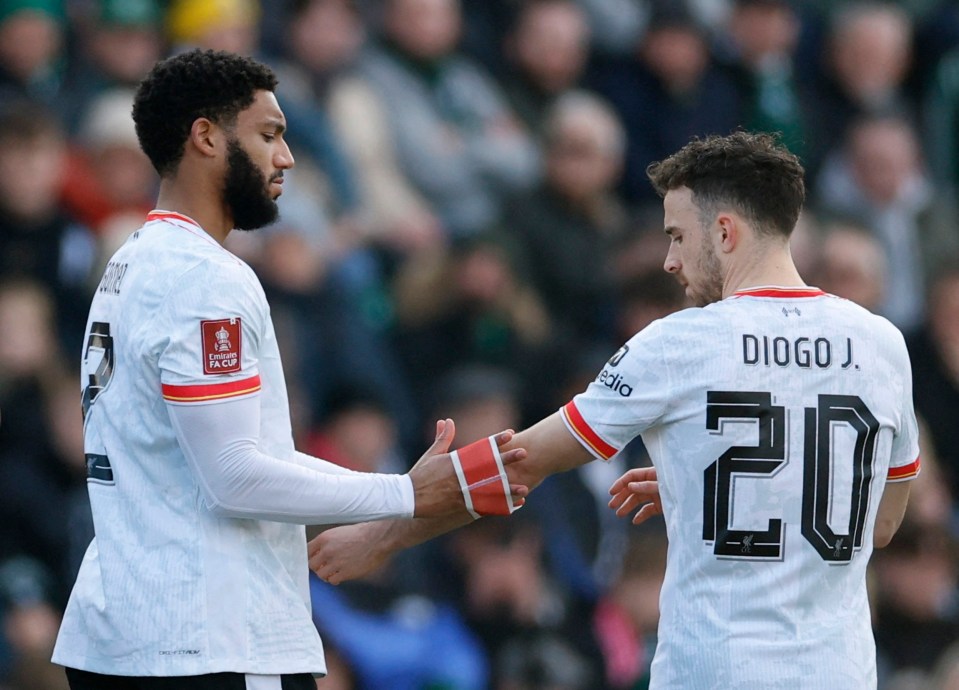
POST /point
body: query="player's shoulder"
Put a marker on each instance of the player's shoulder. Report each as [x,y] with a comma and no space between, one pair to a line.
[181,246]
[691,320]
[857,316]
[189,268]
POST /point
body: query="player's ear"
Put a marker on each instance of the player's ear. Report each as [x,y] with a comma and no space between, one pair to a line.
[203,136]
[727,232]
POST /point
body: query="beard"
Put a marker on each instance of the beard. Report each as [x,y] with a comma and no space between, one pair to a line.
[711,288]
[246,191]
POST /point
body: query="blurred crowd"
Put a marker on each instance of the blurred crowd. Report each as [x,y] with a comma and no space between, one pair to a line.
[469,233]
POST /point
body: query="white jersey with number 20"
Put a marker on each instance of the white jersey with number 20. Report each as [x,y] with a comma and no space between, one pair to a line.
[774,418]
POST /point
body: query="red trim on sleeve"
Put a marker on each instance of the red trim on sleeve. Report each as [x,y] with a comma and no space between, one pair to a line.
[585,432]
[905,472]
[211,391]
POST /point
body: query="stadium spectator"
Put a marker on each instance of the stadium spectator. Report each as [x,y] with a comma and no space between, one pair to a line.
[29,615]
[935,362]
[38,238]
[319,84]
[109,183]
[665,92]
[321,38]
[917,598]
[627,617]
[761,37]
[567,227]
[644,298]
[230,25]
[32,44]
[43,490]
[878,179]
[33,511]
[866,61]
[456,138]
[547,49]
[471,304]
[853,265]
[945,675]
[120,40]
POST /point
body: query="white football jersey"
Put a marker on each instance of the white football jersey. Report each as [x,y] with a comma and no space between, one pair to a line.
[167,588]
[774,419]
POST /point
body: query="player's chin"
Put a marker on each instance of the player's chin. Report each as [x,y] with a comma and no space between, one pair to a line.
[698,299]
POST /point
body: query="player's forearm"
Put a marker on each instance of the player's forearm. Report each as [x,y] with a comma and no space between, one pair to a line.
[352,551]
[550,448]
[402,534]
[318,464]
[240,481]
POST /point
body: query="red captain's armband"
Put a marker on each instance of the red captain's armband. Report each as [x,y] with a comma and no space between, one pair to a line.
[482,478]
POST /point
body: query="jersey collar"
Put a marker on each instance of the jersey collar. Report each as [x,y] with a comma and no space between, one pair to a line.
[157,214]
[779,292]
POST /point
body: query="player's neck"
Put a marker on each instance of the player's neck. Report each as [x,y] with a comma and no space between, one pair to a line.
[193,200]
[772,267]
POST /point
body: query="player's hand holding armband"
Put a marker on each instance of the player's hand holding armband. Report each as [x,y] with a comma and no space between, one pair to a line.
[637,488]
[471,478]
[441,492]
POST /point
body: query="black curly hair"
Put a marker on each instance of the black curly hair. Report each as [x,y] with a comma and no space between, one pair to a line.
[751,172]
[201,83]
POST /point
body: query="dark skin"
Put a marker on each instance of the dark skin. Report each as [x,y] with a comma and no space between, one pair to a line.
[195,189]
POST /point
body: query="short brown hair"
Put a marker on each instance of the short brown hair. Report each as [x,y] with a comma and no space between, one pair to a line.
[749,172]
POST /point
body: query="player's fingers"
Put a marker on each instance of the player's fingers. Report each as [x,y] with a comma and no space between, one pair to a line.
[504,437]
[644,488]
[647,511]
[317,563]
[314,553]
[445,430]
[326,572]
[518,491]
[627,506]
[510,456]
[635,474]
[618,499]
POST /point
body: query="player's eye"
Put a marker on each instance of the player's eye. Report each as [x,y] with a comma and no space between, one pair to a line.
[269,137]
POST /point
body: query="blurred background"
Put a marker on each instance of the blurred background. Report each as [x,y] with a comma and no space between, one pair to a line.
[469,232]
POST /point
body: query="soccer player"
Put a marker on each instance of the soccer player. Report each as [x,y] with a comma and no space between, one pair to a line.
[198,571]
[781,427]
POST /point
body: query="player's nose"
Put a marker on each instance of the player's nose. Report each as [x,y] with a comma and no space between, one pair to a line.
[283,160]
[672,263]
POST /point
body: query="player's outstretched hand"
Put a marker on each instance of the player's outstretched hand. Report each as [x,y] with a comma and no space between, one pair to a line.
[346,553]
[436,487]
[638,488]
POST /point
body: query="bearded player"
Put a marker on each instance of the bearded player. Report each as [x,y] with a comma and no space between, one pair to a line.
[781,427]
[197,576]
